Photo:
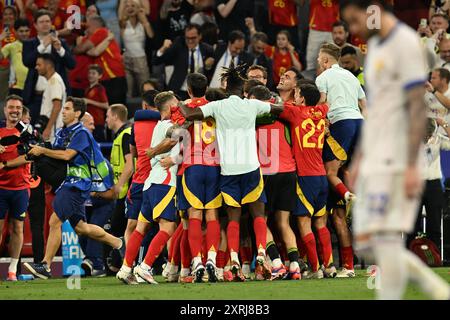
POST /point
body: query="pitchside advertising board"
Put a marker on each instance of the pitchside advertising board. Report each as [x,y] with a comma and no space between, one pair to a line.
[72,255]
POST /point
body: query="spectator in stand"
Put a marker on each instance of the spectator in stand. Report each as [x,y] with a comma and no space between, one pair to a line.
[322,15]
[444,54]
[435,32]
[231,15]
[340,36]
[204,12]
[13,52]
[283,16]
[210,34]
[45,42]
[349,60]
[187,55]
[150,84]
[283,56]
[175,16]
[257,47]
[225,54]
[109,12]
[7,35]
[134,29]
[440,6]
[108,57]
[97,101]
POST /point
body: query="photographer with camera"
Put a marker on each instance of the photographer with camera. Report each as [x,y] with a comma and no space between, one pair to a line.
[75,145]
[14,181]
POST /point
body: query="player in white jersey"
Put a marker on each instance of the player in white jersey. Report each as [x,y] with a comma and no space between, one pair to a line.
[386,166]
[158,203]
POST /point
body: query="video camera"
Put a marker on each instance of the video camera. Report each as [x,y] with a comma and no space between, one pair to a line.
[29,136]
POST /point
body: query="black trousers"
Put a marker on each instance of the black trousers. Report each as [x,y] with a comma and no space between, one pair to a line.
[116,89]
[117,226]
[36,212]
[433,200]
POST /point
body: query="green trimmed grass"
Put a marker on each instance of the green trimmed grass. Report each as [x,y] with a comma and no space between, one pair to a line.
[111,288]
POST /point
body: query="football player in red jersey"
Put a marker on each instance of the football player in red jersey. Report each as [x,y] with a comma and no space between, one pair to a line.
[307,123]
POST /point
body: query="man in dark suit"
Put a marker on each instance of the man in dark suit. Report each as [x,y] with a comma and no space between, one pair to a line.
[258,43]
[45,42]
[187,55]
[224,54]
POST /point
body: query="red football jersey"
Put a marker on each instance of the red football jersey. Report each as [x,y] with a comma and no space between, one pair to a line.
[322,14]
[13,178]
[143,132]
[308,135]
[203,149]
[274,151]
[281,62]
[96,93]
[111,59]
[283,13]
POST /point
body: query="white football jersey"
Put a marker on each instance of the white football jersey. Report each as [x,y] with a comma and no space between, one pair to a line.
[158,174]
[393,66]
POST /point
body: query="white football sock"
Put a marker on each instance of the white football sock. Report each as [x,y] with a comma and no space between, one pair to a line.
[212,256]
[234,256]
[13,265]
[126,269]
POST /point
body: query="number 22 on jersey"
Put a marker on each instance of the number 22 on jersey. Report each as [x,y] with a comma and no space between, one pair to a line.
[311,130]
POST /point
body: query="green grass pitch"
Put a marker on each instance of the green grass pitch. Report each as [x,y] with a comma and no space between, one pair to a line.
[111,288]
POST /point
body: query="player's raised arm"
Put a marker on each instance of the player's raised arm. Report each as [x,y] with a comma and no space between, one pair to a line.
[191,113]
[276,109]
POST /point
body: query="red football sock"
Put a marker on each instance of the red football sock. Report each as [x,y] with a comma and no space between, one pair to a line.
[347,257]
[195,237]
[246,254]
[260,227]
[176,248]
[212,235]
[301,249]
[233,236]
[221,259]
[185,250]
[156,246]
[310,244]
[204,249]
[134,242]
[325,243]
[173,244]
[341,190]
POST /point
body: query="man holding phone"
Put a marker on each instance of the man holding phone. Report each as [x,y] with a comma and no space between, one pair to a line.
[7,35]
[433,33]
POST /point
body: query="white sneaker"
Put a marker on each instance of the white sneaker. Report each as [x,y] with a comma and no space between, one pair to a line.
[172,277]
[166,268]
[329,272]
[346,273]
[138,277]
[315,275]
[126,277]
[246,271]
[145,274]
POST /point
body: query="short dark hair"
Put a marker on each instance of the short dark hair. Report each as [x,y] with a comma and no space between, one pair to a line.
[47,57]
[250,84]
[286,33]
[98,20]
[331,49]
[40,13]
[341,23]
[96,67]
[235,35]
[364,4]
[149,97]
[260,36]
[441,15]
[215,94]
[78,105]
[310,93]
[298,74]
[21,23]
[443,73]
[191,26]
[13,9]
[153,82]
[258,67]
[162,98]
[197,83]
[14,97]
[260,92]
[348,50]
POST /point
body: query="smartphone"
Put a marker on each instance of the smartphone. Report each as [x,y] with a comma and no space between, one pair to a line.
[6,27]
[423,23]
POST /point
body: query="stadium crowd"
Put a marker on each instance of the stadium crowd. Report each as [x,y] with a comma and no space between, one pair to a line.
[186,172]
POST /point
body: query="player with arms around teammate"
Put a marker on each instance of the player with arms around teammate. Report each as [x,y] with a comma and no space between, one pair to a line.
[386,166]
[14,181]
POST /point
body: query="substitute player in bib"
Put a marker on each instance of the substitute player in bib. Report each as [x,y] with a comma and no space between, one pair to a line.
[241,181]
[307,123]
[158,204]
[386,167]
